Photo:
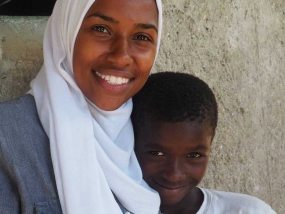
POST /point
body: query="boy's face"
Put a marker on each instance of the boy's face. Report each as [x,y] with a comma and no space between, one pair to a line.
[173,157]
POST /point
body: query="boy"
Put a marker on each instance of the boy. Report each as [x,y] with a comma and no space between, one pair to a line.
[174,117]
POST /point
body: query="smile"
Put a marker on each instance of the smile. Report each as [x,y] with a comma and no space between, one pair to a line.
[174,188]
[113,80]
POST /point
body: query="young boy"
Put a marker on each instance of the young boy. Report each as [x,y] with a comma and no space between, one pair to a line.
[174,117]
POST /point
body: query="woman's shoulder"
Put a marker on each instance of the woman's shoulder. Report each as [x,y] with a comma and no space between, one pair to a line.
[19,115]
[17,107]
[26,171]
[20,126]
[224,202]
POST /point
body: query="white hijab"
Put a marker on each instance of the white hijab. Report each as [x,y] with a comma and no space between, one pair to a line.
[91,149]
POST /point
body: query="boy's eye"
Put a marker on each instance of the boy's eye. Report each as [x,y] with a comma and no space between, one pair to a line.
[194,155]
[100,29]
[156,153]
[142,37]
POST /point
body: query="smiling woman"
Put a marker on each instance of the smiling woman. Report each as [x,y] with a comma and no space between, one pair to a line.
[72,136]
[115,51]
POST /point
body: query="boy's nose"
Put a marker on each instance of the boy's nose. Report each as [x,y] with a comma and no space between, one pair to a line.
[119,54]
[174,172]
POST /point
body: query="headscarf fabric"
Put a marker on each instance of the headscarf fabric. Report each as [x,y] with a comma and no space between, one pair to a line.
[91,149]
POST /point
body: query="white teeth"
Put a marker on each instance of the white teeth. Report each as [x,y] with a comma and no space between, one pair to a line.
[113,80]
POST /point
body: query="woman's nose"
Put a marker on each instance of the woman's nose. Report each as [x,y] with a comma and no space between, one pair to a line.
[174,171]
[119,54]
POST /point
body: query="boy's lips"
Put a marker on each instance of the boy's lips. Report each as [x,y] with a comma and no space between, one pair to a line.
[170,187]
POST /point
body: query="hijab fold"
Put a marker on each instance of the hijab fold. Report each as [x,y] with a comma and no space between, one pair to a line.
[91,149]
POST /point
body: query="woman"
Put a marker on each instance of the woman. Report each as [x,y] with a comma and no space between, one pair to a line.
[97,55]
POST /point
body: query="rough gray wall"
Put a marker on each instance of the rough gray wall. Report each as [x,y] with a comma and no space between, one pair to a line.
[21,53]
[238,48]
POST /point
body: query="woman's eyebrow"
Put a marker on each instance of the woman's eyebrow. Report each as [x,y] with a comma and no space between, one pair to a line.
[111,19]
[146,26]
[104,17]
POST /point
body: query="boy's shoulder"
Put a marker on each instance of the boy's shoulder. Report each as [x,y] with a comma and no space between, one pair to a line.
[217,202]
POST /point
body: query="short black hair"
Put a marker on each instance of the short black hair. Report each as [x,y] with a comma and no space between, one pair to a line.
[175,97]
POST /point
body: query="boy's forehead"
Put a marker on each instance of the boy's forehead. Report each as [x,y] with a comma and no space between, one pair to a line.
[191,125]
[157,132]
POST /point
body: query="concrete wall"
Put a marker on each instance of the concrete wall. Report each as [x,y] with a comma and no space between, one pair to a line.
[20,53]
[238,47]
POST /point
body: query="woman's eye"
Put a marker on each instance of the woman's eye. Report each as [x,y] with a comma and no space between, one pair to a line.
[142,38]
[156,153]
[100,29]
[194,155]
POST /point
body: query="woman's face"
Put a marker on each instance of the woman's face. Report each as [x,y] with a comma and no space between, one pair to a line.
[115,50]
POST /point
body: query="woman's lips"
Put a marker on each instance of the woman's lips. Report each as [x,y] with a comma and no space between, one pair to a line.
[113,80]
[111,83]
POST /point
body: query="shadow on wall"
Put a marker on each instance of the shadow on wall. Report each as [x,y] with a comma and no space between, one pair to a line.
[26,7]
